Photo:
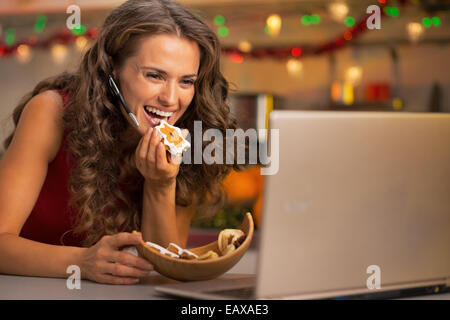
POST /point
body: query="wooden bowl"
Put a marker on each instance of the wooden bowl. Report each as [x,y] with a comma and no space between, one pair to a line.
[191,270]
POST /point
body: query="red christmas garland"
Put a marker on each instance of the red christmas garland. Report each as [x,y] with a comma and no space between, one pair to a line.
[65,37]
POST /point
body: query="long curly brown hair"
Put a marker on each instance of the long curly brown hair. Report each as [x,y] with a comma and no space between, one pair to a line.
[94,124]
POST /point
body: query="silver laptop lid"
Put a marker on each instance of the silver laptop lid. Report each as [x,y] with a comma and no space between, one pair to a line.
[355,191]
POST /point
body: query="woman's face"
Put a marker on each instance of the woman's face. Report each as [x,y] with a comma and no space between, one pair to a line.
[158,81]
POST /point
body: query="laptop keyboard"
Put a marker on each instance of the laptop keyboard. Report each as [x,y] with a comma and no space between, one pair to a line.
[240,293]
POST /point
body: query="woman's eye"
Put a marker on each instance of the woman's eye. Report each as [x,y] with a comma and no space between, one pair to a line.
[153,75]
[157,76]
[188,82]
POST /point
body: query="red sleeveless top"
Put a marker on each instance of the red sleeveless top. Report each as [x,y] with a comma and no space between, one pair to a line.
[51,221]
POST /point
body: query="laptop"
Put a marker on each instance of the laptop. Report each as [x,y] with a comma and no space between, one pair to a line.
[360,207]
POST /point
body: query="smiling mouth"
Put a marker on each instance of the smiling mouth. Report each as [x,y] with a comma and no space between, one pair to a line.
[157,115]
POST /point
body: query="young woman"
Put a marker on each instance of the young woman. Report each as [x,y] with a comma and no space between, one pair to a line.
[79,174]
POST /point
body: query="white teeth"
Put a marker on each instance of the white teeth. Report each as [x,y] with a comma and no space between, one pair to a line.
[158,112]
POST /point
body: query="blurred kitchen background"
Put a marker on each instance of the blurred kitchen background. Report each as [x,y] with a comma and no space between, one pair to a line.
[284,54]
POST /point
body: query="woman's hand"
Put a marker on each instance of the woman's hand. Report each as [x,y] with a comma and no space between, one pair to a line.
[152,160]
[104,262]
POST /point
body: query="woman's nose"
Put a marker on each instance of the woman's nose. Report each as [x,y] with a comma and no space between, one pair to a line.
[168,95]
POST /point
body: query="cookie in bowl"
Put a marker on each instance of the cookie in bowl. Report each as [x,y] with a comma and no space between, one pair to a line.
[200,263]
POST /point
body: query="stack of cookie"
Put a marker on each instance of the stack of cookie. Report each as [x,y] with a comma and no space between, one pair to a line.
[228,241]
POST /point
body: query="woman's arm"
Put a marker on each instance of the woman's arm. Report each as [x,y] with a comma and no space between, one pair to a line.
[162,221]
[21,256]
[158,222]
[23,170]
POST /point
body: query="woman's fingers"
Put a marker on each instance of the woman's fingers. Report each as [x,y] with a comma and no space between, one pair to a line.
[142,148]
[122,270]
[123,239]
[111,265]
[161,157]
[130,260]
[154,141]
[155,162]
[145,144]
[110,279]
[176,159]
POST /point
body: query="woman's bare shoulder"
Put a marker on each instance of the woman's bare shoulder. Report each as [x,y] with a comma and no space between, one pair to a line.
[51,96]
[49,101]
[23,168]
[42,121]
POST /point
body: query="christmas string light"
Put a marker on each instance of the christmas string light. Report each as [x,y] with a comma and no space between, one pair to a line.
[415,31]
[23,53]
[39,26]
[219,20]
[245,46]
[59,53]
[223,31]
[349,21]
[436,21]
[294,68]
[10,37]
[296,52]
[81,43]
[237,58]
[338,10]
[391,11]
[274,24]
[79,31]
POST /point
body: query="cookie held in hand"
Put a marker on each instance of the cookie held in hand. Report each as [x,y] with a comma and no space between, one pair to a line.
[172,138]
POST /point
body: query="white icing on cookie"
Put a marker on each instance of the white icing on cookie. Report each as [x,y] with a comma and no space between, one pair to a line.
[179,249]
[190,253]
[162,250]
[173,149]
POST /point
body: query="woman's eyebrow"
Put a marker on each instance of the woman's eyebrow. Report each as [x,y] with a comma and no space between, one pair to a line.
[165,73]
